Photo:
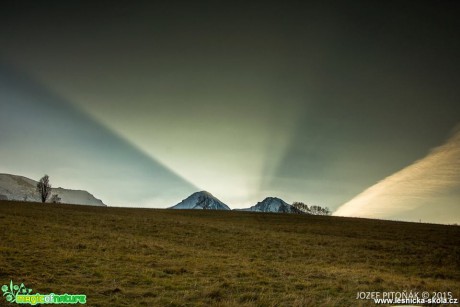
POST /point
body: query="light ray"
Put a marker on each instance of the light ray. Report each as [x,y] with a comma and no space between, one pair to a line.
[430,184]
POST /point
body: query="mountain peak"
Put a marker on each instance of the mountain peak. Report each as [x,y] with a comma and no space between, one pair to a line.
[272,198]
[273,204]
[206,193]
[201,200]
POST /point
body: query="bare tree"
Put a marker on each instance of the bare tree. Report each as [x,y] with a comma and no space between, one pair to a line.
[301,206]
[55,199]
[315,210]
[44,188]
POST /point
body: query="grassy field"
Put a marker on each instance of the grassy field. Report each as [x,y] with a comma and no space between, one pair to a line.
[146,257]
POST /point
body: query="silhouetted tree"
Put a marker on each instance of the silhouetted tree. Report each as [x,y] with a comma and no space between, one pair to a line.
[301,206]
[44,188]
[315,210]
[55,199]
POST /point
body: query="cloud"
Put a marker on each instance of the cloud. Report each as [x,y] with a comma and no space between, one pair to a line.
[429,189]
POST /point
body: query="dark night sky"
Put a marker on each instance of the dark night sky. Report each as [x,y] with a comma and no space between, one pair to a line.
[308,101]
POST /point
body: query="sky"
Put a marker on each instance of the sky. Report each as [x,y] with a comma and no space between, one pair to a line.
[429,186]
[144,103]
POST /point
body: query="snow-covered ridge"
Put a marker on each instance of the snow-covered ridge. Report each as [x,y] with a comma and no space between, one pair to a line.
[273,204]
[201,200]
[13,187]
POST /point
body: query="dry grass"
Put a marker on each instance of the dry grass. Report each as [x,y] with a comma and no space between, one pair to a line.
[145,257]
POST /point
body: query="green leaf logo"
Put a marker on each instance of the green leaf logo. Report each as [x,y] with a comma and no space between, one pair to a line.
[13,290]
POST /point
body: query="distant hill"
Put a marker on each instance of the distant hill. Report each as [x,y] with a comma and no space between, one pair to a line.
[201,200]
[13,187]
[273,204]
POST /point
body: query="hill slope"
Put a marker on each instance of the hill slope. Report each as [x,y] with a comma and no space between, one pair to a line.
[13,187]
[146,257]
